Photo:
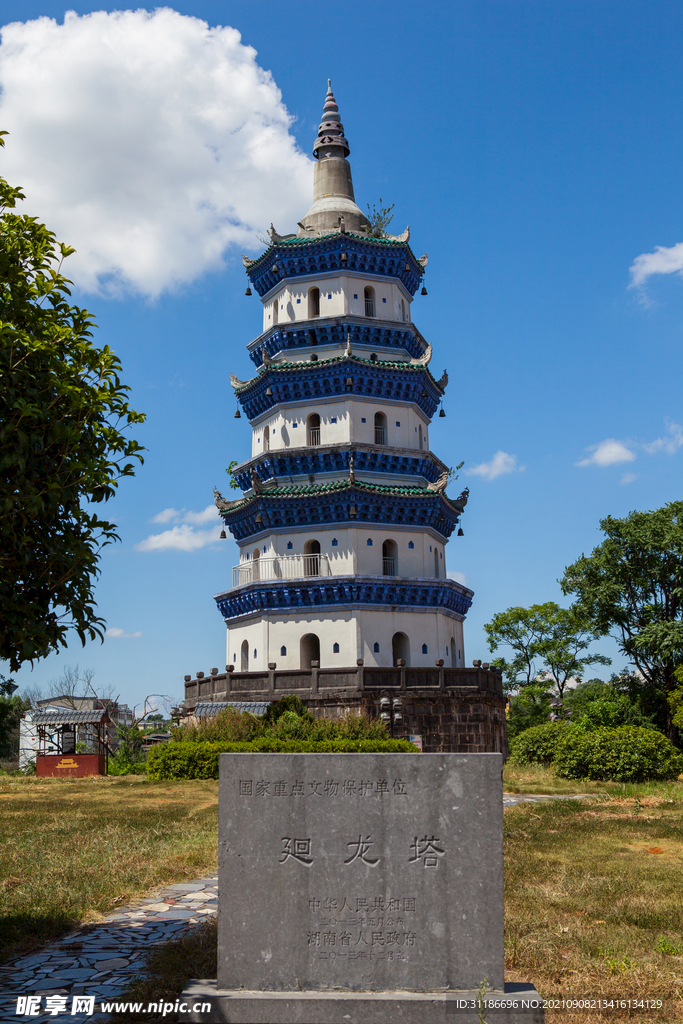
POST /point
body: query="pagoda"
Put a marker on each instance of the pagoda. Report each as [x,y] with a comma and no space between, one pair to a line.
[343,526]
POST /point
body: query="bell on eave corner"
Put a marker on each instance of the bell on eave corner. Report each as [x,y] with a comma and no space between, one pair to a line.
[442,413]
[461,532]
[238,414]
[248,291]
[423,291]
[223,535]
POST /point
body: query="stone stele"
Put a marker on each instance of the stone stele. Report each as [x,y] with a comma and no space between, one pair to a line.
[360,887]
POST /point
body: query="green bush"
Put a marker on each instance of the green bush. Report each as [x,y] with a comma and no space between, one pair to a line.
[200,760]
[287,718]
[627,754]
[537,745]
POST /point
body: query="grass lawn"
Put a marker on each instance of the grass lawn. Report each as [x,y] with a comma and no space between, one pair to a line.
[71,851]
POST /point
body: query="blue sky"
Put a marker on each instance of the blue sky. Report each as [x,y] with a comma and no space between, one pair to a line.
[535,151]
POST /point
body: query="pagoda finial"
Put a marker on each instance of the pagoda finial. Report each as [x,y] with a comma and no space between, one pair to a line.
[331,130]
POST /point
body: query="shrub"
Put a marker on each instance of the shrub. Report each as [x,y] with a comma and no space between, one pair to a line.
[538,744]
[200,760]
[627,754]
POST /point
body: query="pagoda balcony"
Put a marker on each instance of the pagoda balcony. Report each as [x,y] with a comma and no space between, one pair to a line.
[281,567]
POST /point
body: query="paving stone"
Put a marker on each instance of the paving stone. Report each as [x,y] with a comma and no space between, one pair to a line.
[186,887]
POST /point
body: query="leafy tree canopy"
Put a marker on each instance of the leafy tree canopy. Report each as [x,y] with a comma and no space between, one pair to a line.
[631,586]
[548,645]
[63,410]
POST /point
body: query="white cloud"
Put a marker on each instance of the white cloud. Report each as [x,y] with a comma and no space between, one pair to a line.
[167,516]
[118,634]
[662,261]
[148,141]
[608,453]
[180,538]
[669,444]
[628,478]
[499,464]
[459,577]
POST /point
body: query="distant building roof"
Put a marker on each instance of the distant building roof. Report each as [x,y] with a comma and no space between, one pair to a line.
[207,709]
[69,717]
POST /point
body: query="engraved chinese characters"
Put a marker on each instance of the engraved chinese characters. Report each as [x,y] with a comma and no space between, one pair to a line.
[360,872]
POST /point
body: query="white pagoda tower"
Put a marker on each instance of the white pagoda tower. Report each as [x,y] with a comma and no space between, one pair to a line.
[345,520]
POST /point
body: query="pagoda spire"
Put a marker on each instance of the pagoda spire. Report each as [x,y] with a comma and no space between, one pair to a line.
[334,206]
[331,130]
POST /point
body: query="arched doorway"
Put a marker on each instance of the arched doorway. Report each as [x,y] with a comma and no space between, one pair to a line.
[312,558]
[380,428]
[389,558]
[275,308]
[255,568]
[244,661]
[436,561]
[313,303]
[400,648]
[452,652]
[403,310]
[313,430]
[266,439]
[369,301]
[419,434]
[310,650]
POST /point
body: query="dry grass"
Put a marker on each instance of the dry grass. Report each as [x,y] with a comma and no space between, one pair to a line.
[593,902]
[73,850]
[533,778]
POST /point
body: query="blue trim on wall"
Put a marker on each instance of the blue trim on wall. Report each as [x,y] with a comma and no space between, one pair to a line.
[330,591]
[323,255]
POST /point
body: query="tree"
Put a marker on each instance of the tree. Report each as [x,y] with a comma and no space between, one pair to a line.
[62,450]
[380,219]
[12,707]
[548,644]
[631,587]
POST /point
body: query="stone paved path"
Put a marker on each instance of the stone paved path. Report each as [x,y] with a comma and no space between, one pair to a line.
[511,799]
[102,960]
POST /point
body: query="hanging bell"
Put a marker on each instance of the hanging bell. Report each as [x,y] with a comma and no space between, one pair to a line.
[258,519]
[442,413]
[269,392]
[461,532]
[248,291]
[424,290]
[352,511]
[423,393]
[223,535]
[238,414]
[407,268]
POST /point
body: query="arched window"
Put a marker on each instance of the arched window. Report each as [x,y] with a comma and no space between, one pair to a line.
[313,303]
[419,435]
[310,650]
[436,562]
[400,648]
[313,430]
[244,664]
[275,309]
[452,652]
[266,439]
[312,558]
[369,301]
[283,652]
[380,428]
[376,648]
[255,574]
[389,558]
[425,649]
[335,648]
[403,310]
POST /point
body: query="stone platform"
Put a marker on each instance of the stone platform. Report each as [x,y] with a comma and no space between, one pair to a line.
[520,1004]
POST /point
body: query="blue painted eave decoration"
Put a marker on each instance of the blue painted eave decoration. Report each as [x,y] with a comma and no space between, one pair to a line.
[303,257]
[288,462]
[336,331]
[330,591]
[347,375]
